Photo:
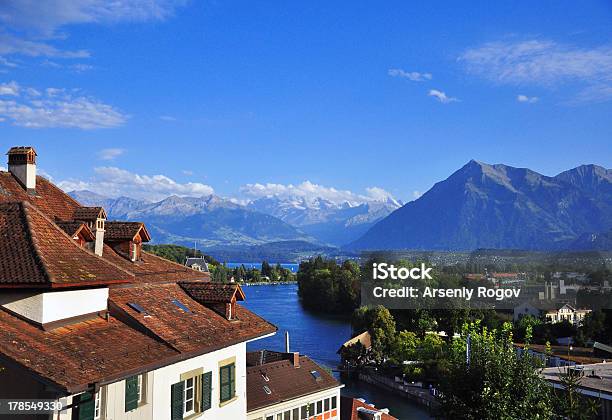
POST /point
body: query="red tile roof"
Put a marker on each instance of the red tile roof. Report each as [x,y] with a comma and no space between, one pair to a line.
[213,292]
[73,228]
[125,231]
[154,269]
[285,381]
[73,357]
[37,253]
[49,199]
[349,409]
[89,214]
[202,329]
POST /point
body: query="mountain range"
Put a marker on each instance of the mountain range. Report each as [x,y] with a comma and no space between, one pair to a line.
[499,206]
[478,206]
[212,221]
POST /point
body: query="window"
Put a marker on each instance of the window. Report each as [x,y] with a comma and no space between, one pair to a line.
[304,412]
[98,405]
[180,305]
[133,396]
[269,417]
[296,414]
[333,403]
[287,415]
[311,409]
[326,403]
[189,397]
[319,407]
[227,382]
[141,389]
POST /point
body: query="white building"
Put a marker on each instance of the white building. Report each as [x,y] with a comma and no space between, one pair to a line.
[90,320]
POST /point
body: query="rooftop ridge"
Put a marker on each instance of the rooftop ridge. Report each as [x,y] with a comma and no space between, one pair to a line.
[27,220]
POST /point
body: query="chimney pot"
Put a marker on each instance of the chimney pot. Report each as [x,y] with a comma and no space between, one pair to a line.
[22,164]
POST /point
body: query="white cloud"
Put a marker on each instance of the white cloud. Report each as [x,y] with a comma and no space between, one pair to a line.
[527,99]
[187,172]
[310,191]
[3,168]
[110,154]
[114,182]
[57,108]
[47,17]
[441,96]
[167,118]
[10,89]
[10,44]
[414,76]
[545,63]
[416,194]
[31,26]
[7,63]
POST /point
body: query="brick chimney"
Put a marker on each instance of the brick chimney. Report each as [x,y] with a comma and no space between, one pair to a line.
[22,164]
[296,359]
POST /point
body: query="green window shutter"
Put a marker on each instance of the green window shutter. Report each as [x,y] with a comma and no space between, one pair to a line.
[224,385]
[86,405]
[206,391]
[176,409]
[232,373]
[131,393]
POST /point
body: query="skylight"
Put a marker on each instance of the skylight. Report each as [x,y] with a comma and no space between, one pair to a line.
[137,308]
[315,374]
[178,304]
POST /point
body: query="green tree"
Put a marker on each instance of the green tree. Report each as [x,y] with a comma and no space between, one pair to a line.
[491,380]
[405,346]
[570,403]
[381,325]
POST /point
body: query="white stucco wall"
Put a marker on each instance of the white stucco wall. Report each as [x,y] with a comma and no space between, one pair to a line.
[164,377]
[54,306]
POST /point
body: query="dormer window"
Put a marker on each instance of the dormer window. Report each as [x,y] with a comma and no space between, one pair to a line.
[126,238]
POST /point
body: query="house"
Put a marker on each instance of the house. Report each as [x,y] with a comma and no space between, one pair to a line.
[568,313]
[197,263]
[89,319]
[288,386]
[357,349]
[551,312]
[595,382]
[358,409]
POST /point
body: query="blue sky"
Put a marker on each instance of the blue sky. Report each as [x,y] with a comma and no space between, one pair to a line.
[340,99]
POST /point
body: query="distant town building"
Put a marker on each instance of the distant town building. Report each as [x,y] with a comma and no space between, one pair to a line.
[357,349]
[197,263]
[287,386]
[550,312]
[566,313]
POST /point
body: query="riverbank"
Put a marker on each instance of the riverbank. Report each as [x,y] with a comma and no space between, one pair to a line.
[414,393]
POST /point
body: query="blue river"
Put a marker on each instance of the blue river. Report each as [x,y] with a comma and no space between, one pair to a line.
[318,337]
